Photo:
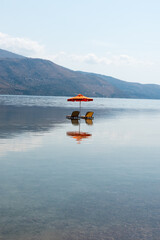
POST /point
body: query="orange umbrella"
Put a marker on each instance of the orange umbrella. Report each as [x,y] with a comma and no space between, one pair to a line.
[80,98]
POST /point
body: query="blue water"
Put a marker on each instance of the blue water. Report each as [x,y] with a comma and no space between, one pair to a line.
[56,185]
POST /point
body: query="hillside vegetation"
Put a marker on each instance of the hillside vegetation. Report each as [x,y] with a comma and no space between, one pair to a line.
[29,76]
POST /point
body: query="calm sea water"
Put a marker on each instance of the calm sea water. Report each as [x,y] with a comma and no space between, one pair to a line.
[63,180]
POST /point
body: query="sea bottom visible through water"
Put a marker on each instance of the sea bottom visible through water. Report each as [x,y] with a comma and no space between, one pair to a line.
[79,180]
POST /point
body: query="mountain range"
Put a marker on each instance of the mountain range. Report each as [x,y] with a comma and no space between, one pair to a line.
[21,75]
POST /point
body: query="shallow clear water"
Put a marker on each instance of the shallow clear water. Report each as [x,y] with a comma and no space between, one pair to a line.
[58,184]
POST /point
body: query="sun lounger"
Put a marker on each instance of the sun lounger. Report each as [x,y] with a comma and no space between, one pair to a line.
[75,121]
[89,115]
[74,115]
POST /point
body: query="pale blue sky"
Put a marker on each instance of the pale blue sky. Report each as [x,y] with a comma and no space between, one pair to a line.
[119,38]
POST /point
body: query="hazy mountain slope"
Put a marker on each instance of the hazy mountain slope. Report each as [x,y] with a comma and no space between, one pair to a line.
[132,90]
[41,77]
[7,54]
[21,75]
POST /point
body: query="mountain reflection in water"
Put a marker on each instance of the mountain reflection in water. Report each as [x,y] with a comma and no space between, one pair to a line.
[15,120]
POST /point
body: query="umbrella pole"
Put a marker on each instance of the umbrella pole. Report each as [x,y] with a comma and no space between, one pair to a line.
[79,125]
[80,108]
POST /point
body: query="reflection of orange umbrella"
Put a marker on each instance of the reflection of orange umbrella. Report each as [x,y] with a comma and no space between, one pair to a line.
[80,98]
[79,136]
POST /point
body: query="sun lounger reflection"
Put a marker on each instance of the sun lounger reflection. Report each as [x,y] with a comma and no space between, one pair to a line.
[76,121]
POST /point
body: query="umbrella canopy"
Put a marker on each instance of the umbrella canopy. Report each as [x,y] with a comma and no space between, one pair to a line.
[80,98]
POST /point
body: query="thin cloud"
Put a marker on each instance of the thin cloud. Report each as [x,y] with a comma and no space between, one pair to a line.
[22,46]
[30,48]
[93,59]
